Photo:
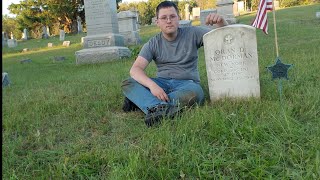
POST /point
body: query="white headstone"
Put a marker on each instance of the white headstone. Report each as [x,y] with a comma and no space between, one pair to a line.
[62,35]
[240,5]
[232,62]
[50,44]
[318,15]
[196,12]
[103,41]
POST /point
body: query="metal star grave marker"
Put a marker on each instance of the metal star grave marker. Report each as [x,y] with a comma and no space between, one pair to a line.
[279,70]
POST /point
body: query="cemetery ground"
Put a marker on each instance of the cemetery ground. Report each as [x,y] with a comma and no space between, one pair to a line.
[64,121]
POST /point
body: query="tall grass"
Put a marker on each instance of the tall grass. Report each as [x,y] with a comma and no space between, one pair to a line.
[62,121]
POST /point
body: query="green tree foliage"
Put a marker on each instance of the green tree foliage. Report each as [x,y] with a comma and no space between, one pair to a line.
[53,13]
[9,25]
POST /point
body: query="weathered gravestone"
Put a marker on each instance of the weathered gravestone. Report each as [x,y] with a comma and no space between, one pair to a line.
[59,58]
[128,27]
[50,44]
[4,39]
[24,61]
[12,43]
[25,34]
[79,23]
[66,43]
[232,62]
[5,79]
[103,41]
[225,9]
[184,23]
[44,32]
[62,35]
[203,16]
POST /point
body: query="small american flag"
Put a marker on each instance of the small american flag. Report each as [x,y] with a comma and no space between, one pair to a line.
[261,20]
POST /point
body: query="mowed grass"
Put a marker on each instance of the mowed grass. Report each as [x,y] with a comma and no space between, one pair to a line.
[64,121]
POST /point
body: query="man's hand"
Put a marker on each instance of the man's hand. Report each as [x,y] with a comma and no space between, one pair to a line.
[214,18]
[158,92]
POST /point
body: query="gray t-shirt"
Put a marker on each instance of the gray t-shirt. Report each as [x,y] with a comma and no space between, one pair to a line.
[176,59]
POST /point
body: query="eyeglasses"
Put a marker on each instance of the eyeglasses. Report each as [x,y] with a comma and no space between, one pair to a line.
[171,18]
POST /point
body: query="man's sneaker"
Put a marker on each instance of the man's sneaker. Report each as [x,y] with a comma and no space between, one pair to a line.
[155,114]
[158,112]
[129,105]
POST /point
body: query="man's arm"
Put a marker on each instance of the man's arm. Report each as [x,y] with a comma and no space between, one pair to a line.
[214,18]
[137,73]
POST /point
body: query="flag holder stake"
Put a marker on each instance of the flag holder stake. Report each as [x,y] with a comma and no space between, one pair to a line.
[275,28]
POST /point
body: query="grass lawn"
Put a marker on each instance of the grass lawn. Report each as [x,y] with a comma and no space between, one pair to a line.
[64,121]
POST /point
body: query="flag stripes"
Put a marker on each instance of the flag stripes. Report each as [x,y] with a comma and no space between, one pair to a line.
[261,20]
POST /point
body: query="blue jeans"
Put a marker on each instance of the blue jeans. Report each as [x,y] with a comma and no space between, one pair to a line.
[180,92]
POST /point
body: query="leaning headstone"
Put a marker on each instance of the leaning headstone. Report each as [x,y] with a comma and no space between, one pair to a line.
[25,61]
[62,35]
[12,43]
[25,50]
[25,34]
[66,43]
[103,41]
[184,23]
[232,62]
[203,16]
[128,27]
[5,79]
[50,44]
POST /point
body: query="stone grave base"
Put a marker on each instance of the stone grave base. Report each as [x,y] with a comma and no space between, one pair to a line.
[103,54]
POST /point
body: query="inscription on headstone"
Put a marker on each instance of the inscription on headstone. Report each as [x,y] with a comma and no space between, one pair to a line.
[232,62]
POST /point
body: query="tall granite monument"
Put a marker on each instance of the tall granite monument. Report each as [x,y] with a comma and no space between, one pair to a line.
[103,41]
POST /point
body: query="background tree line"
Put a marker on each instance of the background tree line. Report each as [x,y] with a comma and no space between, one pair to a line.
[62,14]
